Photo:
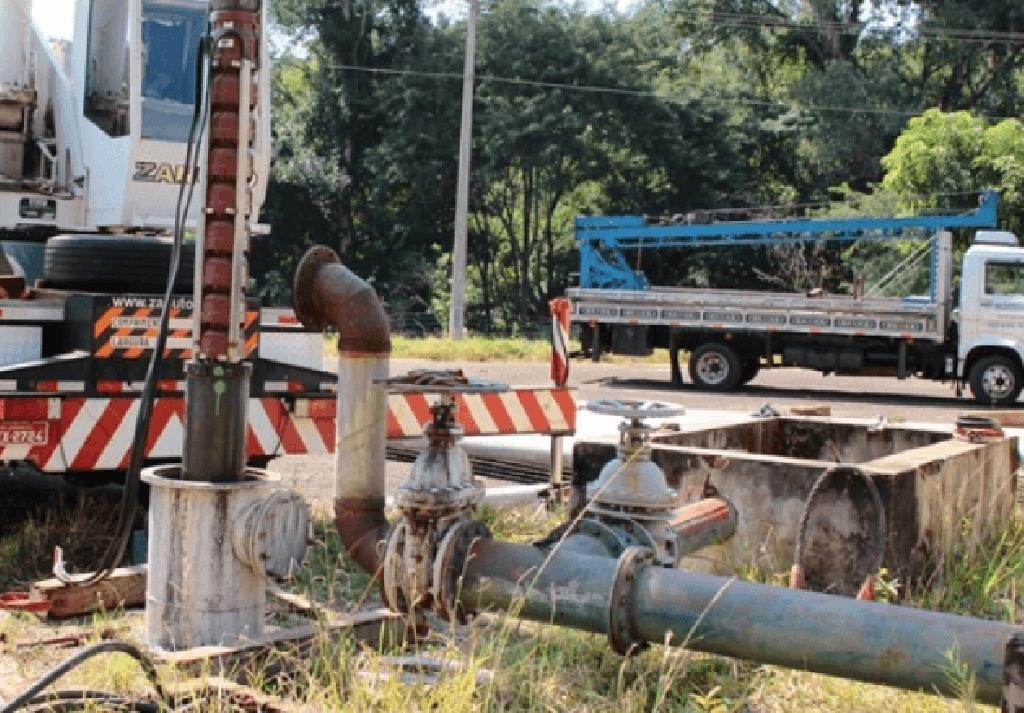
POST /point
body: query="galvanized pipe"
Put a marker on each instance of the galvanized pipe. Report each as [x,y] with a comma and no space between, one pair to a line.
[326,293]
[879,643]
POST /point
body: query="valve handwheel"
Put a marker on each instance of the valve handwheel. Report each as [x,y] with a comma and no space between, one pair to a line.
[635,410]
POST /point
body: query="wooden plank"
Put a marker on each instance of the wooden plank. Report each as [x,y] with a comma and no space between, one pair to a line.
[811,410]
[125,587]
[1008,418]
[378,627]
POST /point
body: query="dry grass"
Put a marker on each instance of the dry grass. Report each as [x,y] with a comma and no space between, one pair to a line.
[499,663]
[486,349]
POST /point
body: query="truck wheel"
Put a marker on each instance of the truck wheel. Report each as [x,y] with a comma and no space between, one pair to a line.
[108,263]
[715,367]
[996,380]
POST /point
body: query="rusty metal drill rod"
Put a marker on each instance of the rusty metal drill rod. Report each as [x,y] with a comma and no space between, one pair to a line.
[879,643]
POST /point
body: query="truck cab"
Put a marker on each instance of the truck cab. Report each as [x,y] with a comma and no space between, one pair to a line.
[93,133]
[990,350]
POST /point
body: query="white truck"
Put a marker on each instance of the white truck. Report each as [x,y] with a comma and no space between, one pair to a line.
[732,334]
[93,145]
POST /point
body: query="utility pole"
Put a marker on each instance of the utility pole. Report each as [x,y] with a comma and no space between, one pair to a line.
[456,317]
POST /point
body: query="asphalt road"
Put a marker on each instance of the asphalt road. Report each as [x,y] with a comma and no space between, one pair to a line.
[848,396]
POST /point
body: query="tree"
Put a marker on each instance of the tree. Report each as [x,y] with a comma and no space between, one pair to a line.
[941,156]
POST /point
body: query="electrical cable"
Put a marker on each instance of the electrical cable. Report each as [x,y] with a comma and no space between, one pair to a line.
[115,646]
[115,550]
[644,93]
[854,28]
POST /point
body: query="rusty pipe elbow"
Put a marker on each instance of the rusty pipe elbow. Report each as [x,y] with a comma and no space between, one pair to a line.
[326,293]
[361,525]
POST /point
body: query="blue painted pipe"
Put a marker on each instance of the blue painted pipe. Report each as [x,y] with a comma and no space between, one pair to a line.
[879,643]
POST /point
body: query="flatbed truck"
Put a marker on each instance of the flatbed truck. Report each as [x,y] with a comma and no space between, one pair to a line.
[731,335]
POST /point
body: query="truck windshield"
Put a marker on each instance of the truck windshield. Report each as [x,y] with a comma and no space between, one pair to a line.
[171,32]
[1002,278]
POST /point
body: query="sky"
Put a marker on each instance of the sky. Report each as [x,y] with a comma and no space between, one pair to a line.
[55,17]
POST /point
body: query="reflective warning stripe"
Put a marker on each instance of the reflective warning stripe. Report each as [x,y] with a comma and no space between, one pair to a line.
[560,310]
[97,433]
[130,333]
[250,331]
[543,410]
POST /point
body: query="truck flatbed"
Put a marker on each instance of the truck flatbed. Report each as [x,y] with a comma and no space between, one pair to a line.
[761,311]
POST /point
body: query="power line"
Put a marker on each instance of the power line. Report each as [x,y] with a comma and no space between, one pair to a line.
[857,28]
[640,93]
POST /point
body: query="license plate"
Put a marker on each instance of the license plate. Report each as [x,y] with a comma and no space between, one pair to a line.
[24,433]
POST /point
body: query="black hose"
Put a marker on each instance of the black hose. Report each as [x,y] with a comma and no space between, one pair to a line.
[114,552]
[88,700]
[72,662]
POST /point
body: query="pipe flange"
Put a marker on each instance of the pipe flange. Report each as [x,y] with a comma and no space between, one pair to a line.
[449,565]
[392,566]
[622,633]
[304,300]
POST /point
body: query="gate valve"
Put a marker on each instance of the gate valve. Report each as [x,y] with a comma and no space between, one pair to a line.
[631,504]
[632,481]
[437,501]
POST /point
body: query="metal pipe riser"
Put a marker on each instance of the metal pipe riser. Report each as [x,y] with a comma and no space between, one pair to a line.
[216,408]
[878,643]
[326,293]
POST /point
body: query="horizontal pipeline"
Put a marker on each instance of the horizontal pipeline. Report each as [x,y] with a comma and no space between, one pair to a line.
[877,643]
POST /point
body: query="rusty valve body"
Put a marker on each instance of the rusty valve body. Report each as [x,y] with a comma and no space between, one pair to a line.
[437,502]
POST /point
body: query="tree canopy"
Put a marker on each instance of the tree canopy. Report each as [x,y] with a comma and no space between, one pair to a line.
[728,105]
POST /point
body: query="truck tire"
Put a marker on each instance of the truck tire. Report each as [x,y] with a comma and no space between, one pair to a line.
[106,263]
[715,367]
[996,380]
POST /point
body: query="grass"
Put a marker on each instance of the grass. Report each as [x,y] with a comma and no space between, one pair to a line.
[484,349]
[500,663]
[80,525]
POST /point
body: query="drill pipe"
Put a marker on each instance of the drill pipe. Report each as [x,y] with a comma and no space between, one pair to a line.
[878,643]
[326,293]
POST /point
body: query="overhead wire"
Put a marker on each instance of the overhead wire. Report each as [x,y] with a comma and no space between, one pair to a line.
[639,93]
[854,27]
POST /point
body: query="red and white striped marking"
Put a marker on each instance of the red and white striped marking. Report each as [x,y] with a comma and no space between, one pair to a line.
[60,434]
[522,410]
[560,308]
[81,434]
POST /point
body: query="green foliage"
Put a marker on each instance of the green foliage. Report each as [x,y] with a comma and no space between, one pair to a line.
[674,106]
[940,157]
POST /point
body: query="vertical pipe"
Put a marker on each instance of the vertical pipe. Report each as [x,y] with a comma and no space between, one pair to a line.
[234,57]
[879,643]
[359,457]
[326,293]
